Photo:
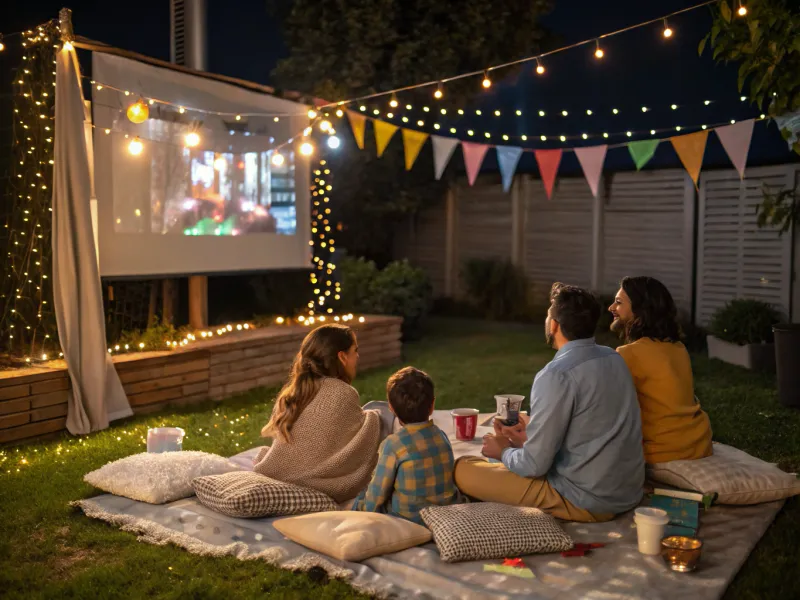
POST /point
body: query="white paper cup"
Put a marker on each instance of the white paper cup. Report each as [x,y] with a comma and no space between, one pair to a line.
[650,524]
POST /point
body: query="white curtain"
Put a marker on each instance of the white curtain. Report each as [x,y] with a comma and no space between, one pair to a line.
[97,396]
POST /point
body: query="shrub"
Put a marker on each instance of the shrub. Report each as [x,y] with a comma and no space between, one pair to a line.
[497,288]
[745,322]
[399,289]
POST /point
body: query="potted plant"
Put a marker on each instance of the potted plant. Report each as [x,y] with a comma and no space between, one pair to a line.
[741,334]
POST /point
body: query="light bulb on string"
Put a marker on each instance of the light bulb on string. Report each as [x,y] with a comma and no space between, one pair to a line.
[667,30]
[439,93]
[312,114]
[333,142]
[540,67]
[306,149]
[598,53]
[487,83]
[2,45]
[277,159]
[325,126]
[135,147]
[742,9]
[138,112]
[192,139]
[393,102]
[340,113]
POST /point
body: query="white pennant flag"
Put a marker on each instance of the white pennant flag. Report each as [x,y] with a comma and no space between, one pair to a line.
[443,148]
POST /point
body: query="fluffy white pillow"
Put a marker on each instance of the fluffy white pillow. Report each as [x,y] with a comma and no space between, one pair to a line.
[735,476]
[158,478]
[353,535]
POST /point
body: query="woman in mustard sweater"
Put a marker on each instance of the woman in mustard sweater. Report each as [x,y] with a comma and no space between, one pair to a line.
[674,426]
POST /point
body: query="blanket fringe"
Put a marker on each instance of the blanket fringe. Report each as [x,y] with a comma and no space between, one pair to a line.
[158,535]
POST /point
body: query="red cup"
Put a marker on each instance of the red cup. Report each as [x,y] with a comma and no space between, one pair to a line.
[465,423]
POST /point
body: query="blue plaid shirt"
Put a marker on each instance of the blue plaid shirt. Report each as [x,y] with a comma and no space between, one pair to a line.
[415,470]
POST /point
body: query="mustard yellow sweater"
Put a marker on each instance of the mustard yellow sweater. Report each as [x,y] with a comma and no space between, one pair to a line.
[674,426]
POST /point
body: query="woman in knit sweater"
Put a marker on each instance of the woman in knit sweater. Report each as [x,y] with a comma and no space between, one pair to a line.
[322,439]
[674,426]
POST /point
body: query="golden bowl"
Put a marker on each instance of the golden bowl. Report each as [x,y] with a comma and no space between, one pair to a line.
[681,553]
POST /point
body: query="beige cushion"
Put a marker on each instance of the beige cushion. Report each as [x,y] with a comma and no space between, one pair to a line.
[353,535]
[247,494]
[157,477]
[487,530]
[735,476]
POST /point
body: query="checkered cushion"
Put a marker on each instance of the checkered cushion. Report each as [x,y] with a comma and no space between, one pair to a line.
[487,530]
[735,476]
[247,494]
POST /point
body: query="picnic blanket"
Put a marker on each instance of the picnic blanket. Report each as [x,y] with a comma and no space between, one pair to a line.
[615,571]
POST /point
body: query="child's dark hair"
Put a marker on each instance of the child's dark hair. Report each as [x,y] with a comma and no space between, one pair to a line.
[410,394]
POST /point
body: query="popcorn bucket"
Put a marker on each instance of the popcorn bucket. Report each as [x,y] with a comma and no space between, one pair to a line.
[465,423]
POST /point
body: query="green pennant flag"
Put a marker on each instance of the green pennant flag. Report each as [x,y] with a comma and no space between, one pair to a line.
[642,151]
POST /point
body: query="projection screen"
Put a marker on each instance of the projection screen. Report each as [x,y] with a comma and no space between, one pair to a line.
[225,204]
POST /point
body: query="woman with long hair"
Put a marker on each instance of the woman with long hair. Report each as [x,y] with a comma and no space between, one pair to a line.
[322,439]
[674,427]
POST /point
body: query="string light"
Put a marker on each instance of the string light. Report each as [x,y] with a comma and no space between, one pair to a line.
[742,9]
[540,67]
[333,142]
[438,94]
[393,102]
[192,139]
[667,30]
[138,112]
[277,159]
[598,53]
[325,126]
[2,45]
[306,149]
[312,114]
[487,83]
[135,146]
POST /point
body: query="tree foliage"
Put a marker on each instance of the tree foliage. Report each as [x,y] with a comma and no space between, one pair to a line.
[347,48]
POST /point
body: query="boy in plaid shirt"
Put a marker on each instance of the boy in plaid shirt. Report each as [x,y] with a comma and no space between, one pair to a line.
[415,464]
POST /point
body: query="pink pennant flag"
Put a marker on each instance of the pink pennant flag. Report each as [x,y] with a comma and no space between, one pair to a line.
[548,161]
[736,141]
[473,159]
[592,159]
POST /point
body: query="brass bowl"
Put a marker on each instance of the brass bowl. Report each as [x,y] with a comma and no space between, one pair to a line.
[681,553]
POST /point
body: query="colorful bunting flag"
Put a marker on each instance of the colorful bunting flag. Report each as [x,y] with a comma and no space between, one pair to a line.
[358,124]
[592,159]
[691,148]
[383,134]
[642,151]
[473,159]
[412,144]
[736,141]
[443,148]
[548,161]
[507,160]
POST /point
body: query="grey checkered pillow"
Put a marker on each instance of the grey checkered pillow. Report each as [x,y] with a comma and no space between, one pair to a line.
[487,530]
[247,494]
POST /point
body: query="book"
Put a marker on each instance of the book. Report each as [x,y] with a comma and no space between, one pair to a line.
[684,514]
[704,499]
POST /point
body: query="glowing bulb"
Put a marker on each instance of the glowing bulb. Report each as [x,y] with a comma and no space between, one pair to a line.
[645,109]
[277,159]
[333,142]
[340,113]
[138,112]
[585,136]
[742,10]
[539,67]
[312,114]
[408,107]
[541,113]
[629,134]
[497,113]
[674,107]
[564,113]
[438,94]
[192,140]
[743,98]
[705,127]
[563,138]
[67,47]
[615,111]
[652,132]
[605,135]
[238,117]
[420,123]
[544,138]
[135,147]
[306,149]
[707,102]
[220,164]
[181,110]
[325,126]
[598,53]
[589,111]
[393,103]
[487,83]
[519,113]
[667,30]
[362,108]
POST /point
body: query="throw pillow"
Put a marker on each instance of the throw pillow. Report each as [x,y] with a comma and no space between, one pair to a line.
[247,494]
[353,535]
[735,476]
[488,530]
[157,478]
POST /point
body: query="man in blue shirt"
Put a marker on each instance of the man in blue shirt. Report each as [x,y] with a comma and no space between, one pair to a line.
[579,455]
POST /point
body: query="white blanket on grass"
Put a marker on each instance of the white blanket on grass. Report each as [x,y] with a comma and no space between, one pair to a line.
[617,571]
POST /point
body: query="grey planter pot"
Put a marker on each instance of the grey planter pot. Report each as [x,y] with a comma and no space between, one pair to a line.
[756,357]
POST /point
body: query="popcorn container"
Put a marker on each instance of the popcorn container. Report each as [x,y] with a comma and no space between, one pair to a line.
[165,439]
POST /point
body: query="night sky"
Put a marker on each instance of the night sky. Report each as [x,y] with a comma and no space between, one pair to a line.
[640,68]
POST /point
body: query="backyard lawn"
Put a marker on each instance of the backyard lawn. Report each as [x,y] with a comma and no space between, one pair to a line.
[49,550]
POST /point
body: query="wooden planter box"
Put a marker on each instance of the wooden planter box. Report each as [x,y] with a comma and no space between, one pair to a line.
[756,357]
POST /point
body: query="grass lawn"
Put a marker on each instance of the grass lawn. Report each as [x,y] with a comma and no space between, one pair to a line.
[49,550]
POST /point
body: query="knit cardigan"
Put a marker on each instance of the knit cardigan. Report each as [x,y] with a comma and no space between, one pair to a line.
[334,446]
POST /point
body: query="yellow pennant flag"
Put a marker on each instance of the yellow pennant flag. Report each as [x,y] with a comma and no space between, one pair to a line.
[412,144]
[383,134]
[358,124]
[691,148]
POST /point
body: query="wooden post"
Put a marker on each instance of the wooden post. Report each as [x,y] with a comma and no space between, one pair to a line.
[598,235]
[450,252]
[198,301]
[170,301]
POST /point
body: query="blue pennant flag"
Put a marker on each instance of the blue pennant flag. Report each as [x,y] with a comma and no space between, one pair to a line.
[508,159]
